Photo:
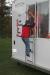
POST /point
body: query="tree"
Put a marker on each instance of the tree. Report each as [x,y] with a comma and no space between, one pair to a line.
[5,20]
[2,4]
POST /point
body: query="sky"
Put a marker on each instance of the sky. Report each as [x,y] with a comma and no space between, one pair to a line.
[9,2]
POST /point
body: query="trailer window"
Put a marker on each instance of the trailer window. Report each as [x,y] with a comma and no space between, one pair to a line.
[43,19]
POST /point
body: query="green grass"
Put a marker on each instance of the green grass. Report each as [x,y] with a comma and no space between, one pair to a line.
[9,67]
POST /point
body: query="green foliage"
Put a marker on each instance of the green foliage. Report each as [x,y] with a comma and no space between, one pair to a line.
[7,27]
[5,20]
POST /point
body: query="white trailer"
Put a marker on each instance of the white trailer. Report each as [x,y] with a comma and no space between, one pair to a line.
[39,41]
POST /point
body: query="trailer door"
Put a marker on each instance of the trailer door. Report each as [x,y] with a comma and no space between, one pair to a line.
[30,48]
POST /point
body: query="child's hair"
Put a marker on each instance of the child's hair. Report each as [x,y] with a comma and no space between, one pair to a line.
[30,10]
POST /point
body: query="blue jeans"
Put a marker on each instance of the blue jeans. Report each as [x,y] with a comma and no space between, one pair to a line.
[27,45]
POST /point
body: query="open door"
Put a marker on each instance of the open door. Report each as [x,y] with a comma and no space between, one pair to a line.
[30,41]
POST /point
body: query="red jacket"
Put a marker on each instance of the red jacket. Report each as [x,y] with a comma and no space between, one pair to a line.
[25,31]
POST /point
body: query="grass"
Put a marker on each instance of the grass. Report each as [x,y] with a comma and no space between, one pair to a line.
[9,67]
